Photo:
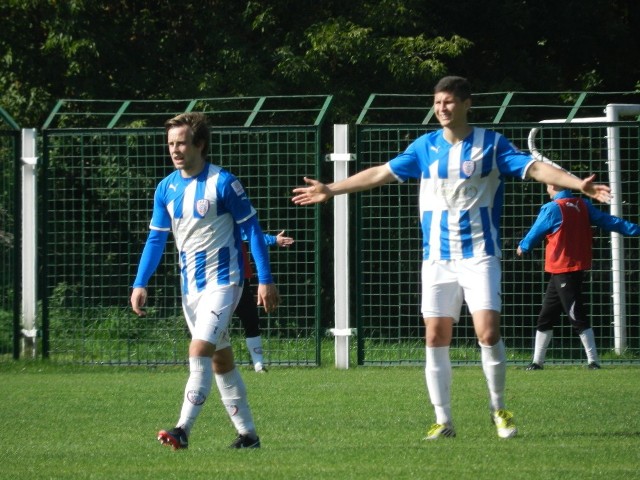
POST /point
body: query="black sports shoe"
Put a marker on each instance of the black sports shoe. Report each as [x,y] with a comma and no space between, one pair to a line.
[535,366]
[245,441]
[175,438]
[593,366]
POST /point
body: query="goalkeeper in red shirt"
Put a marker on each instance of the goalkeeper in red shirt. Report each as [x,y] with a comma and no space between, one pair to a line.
[565,224]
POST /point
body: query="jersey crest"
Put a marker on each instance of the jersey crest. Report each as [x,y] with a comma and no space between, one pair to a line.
[202,207]
[468,167]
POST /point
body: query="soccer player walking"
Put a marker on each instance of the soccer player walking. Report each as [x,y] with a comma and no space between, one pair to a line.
[208,212]
[565,224]
[461,171]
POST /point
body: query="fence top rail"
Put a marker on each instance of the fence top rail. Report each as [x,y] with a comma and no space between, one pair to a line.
[292,110]
[494,107]
[6,121]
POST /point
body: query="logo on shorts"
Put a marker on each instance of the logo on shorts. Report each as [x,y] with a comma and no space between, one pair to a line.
[202,207]
[196,397]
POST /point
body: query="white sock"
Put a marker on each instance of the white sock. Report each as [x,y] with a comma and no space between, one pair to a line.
[494,365]
[254,345]
[543,339]
[233,394]
[196,391]
[438,374]
[589,343]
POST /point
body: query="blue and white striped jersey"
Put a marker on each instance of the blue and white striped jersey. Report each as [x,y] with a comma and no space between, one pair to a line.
[461,190]
[203,213]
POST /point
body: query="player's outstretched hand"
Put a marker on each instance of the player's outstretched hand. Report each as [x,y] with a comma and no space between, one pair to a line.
[283,241]
[602,193]
[314,192]
[268,296]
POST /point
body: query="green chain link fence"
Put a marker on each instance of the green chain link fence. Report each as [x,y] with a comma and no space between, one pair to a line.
[101,161]
[9,235]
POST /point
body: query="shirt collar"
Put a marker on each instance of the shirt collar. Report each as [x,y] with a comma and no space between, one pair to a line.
[563,194]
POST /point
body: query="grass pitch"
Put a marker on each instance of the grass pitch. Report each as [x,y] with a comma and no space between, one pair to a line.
[317,423]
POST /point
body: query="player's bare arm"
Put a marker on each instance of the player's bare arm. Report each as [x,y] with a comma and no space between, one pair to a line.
[138,299]
[318,192]
[268,296]
[548,174]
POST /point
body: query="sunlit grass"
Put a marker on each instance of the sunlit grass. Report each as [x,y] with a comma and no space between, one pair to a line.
[366,422]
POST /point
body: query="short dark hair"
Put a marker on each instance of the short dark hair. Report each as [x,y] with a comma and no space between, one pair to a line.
[198,124]
[458,86]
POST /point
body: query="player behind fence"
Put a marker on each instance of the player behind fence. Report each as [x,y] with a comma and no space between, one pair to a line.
[565,225]
[246,309]
[208,211]
[461,170]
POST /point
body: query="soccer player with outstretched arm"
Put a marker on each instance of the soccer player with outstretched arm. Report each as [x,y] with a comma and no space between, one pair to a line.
[461,170]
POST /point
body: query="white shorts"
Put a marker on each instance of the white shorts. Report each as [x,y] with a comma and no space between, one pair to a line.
[447,283]
[209,312]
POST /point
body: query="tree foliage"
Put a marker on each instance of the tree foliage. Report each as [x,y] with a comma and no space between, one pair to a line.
[117,49]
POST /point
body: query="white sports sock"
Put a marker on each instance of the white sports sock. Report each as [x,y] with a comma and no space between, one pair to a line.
[543,339]
[438,374]
[254,345]
[589,343]
[196,391]
[233,394]
[494,365]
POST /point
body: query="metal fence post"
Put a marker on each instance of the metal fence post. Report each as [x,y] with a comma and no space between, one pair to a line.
[29,244]
[341,158]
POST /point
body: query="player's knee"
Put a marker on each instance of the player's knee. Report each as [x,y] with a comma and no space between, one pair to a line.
[223,361]
[201,348]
